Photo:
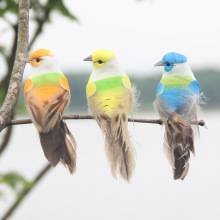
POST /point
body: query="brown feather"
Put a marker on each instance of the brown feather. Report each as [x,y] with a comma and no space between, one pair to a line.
[113,123]
[57,147]
[53,132]
[119,149]
[45,114]
[178,143]
[179,133]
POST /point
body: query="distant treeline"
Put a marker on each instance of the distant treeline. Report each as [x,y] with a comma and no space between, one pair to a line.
[209,82]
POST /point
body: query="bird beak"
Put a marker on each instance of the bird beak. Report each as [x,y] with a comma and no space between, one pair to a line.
[27,60]
[89,58]
[160,63]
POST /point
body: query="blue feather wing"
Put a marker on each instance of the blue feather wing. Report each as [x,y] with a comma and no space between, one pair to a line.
[177,97]
[194,87]
[160,89]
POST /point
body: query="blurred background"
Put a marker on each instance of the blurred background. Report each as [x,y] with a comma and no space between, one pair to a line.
[140,32]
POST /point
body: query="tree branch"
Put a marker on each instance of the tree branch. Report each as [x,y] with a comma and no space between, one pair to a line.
[6,139]
[26,191]
[39,27]
[80,117]
[5,82]
[19,64]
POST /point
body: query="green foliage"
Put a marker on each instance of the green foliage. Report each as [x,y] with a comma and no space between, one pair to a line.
[8,6]
[16,182]
[78,93]
[37,7]
[51,5]
[59,6]
[209,82]
[40,12]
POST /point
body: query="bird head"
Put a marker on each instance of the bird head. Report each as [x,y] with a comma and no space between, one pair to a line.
[170,60]
[105,64]
[44,61]
[40,56]
[175,64]
[101,58]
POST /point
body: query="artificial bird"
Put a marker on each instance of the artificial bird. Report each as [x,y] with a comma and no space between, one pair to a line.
[46,94]
[177,102]
[111,98]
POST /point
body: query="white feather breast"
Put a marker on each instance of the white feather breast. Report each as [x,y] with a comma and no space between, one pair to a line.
[112,68]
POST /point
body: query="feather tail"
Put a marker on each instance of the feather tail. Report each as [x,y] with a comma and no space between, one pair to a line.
[58,147]
[178,143]
[119,149]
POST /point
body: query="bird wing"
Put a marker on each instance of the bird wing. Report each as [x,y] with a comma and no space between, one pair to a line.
[160,88]
[64,83]
[182,101]
[126,82]
[159,104]
[194,87]
[28,85]
[106,100]
[90,89]
[45,105]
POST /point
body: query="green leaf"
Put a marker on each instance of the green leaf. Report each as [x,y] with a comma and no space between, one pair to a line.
[59,6]
[8,6]
[12,6]
[38,9]
[15,181]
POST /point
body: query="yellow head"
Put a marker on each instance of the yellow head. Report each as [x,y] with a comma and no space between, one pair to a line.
[105,65]
[101,57]
[36,58]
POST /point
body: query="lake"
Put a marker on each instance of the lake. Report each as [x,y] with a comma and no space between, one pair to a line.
[92,193]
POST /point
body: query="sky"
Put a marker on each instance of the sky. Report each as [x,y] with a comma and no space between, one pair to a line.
[140,32]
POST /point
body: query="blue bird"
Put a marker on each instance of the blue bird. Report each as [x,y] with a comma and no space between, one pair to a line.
[177,102]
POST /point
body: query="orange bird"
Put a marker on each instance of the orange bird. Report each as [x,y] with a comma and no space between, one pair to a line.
[46,94]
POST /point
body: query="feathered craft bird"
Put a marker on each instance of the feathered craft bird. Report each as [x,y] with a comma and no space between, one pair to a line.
[111,98]
[177,102]
[46,94]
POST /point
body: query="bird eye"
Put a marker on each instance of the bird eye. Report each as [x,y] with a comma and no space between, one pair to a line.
[100,62]
[167,64]
[38,60]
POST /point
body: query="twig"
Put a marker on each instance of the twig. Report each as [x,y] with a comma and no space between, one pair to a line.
[19,64]
[6,139]
[81,117]
[40,24]
[26,191]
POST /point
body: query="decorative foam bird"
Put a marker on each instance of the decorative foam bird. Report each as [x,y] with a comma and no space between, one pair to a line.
[46,94]
[177,101]
[111,98]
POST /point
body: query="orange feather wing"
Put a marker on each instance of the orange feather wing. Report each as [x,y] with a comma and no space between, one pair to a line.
[45,105]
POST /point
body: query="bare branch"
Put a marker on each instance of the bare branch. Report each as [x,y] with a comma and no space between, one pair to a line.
[26,191]
[18,68]
[40,24]
[80,117]
[6,139]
